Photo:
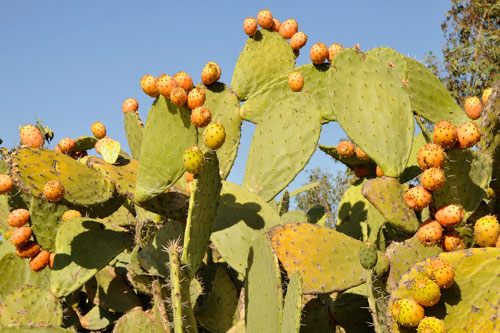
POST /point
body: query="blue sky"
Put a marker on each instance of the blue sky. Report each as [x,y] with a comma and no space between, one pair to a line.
[72,63]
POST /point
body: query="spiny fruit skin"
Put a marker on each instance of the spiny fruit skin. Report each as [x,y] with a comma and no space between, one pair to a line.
[452,241]
[346,148]
[288,28]
[379,172]
[250,26]
[31,136]
[440,271]
[67,145]
[196,98]
[70,214]
[445,134]
[219,71]
[333,50]
[6,184]
[432,179]
[361,170]
[149,85]
[21,236]
[449,215]
[407,312]
[98,129]
[201,116]
[166,84]
[265,18]
[184,81]
[425,291]
[486,95]
[40,261]
[28,250]
[486,231]
[192,158]
[178,96]
[431,155]
[473,107]
[296,81]
[298,40]
[468,135]
[276,25]
[214,135]
[361,154]
[53,190]
[430,233]
[431,325]
[210,73]
[18,217]
[130,105]
[417,198]
[318,53]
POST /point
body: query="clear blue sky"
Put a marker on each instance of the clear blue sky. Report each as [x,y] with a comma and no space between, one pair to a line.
[72,63]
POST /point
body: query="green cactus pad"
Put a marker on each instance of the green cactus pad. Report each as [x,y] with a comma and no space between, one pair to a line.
[33,328]
[83,247]
[121,217]
[134,131]
[266,55]
[46,217]
[368,255]
[284,203]
[201,215]
[224,107]
[316,317]
[398,63]
[412,169]
[168,133]
[349,162]
[327,260]
[430,98]
[135,321]
[283,142]
[159,308]
[98,318]
[292,309]
[241,217]
[294,216]
[317,215]
[4,212]
[387,195]
[83,143]
[31,305]
[374,108]
[263,295]
[350,310]
[113,293]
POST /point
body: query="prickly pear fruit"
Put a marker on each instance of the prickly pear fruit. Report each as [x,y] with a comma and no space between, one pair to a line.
[430,155]
[440,271]
[178,96]
[429,233]
[149,85]
[318,53]
[189,176]
[486,95]
[276,25]
[452,241]
[67,145]
[445,134]
[288,28]
[165,85]
[70,214]
[407,312]
[449,215]
[250,26]
[346,148]
[184,81]
[28,250]
[31,136]
[490,193]
[425,291]
[189,188]
[51,260]
[334,49]
[40,261]
[368,255]
[473,107]
[417,198]
[431,325]
[379,172]
[298,40]
[210,73]
[201,116]
[265,18]
[468,135]
[53,191]
[361,170]
[361,154]
[100,143]
[193,159]
[214,135]
[98,129]
[486,231]
[219,71]
[130,105]
[21,236]
[432,179]
[18,217]
[6,184]
[196,98]
[296,81]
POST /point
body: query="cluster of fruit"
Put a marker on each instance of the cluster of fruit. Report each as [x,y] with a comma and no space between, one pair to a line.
[426,291]
[346,149]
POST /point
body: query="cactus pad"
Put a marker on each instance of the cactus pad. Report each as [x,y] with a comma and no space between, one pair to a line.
[83,143]
[293,305]
[135,321]
[45,221]
[350,161]
[98,319]
[134,131]
[395,60]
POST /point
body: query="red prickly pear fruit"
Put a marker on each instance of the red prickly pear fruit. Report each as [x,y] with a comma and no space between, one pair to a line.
[298,40]
[70,214]
[429,233]
[166,84]
[318,53]
[130,105]
[53,191]
[196,98]
[432,179]
[333,50]
[192,158]
[452,241]
[486,95]
[149,85]
[431,325]
[449,215]
[98,129]
[189,188]
[473,107]
[296,81]
[67,146]
[6,184]
[407,312]
[346,148]
[214,135]
[361,170]
[178,96]
[210,73]
[445,134]
[361,154]
[201,117]
[425,291]
[40,261]
[51,260]
[440,271]
[486,231]
[189,176]
[468,135]
[31,136]
[431,155]
[184,81]
[288,28]
[417,198]
[265,18]
[276,25]
[250,26]
[21,236]
[18,217]
[28,250]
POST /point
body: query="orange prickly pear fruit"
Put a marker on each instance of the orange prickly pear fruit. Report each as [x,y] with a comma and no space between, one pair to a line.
[486,95]
[250,26]
[51,260]
[130,105]
[28,250]
[473,107]
[31,136]
[429,233]
[417,198]
[440,271]
[165,85]
[53,190]
[407,312]
[18,217]
[468,135]
[425,291]
[346,148]
[210,73]
[40,261]
[449,215]
[432,179]
[21,236]
[362,155]
[67,146]
[6,184]
[178,96]
[318,53]
[452,241]
[70,214]
[296,81]
[189,176]
[288,28]
[298,40]
[265,18]
[431,155]
[98,129]
[379,172]
[149,85]
[487,231]
[445,134]
[276,25]
[196,98]
[361,170]
[184,81]
[214,135]
[201,117]
[189,188]
[333,50]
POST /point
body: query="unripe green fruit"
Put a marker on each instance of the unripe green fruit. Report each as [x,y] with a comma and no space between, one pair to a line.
[193,159]
[425,291]
[368,255]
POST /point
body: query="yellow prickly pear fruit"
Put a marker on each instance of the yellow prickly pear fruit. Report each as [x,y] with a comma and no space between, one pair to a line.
[346,148]
[486,95]
[487,231]
[214,135]
[407,312]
